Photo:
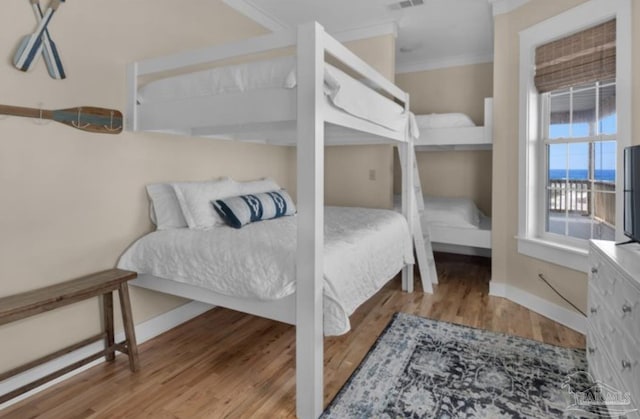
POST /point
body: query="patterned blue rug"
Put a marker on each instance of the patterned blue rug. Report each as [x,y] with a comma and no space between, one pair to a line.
[422,368]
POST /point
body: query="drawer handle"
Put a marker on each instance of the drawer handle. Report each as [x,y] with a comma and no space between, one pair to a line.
[626,309]
[594,270]
[626,365]
[594,310]
[592,350]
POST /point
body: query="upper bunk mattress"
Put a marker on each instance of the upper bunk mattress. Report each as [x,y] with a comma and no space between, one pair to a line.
[341,90]
[364,248]
[444,120]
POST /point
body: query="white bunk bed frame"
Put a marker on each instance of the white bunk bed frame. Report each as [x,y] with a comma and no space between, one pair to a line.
[451,239]
[304,308]
[467,241]
[459,138]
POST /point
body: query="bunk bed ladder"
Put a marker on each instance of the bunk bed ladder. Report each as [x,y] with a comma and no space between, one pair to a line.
[421,238]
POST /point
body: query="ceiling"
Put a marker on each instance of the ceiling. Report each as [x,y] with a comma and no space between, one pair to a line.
[430,33]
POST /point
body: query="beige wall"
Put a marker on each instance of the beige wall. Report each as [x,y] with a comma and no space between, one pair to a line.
[454,89]
[508,265]
[73,201]
[347,168]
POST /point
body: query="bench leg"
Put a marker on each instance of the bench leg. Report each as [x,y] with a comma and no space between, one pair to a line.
[129,331]
[107,307]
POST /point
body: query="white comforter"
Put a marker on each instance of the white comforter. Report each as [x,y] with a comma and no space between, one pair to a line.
[364,248]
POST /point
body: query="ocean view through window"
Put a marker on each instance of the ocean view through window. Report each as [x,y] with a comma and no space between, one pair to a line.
[579,128]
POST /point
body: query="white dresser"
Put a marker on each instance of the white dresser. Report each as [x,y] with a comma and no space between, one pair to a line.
[613,325]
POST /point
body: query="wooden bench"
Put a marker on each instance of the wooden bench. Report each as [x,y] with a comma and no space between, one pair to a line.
[16,307]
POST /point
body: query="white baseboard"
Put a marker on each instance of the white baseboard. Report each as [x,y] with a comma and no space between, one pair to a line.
[569,318]
[144,331]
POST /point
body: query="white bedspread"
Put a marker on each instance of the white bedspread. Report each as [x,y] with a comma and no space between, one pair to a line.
[364,248]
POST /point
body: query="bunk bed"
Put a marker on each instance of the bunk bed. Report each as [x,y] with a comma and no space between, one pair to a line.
[454,225]
[309,112]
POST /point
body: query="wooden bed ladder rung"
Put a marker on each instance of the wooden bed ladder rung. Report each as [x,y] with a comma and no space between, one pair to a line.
[421,237]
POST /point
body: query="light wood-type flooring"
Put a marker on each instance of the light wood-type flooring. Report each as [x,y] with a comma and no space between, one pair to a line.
[225,364]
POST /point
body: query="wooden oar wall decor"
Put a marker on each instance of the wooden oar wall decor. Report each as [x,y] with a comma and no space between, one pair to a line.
[40,43]
[85,118]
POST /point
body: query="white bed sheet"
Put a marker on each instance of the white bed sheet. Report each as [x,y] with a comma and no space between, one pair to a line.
[364,249]
[341,90]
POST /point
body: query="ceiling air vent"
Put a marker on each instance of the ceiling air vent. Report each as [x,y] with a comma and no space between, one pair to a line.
[405,3]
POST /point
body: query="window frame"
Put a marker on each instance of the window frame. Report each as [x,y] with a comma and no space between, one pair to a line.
[532,164]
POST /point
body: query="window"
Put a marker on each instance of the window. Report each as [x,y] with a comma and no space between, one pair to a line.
[579,141]
[575,113]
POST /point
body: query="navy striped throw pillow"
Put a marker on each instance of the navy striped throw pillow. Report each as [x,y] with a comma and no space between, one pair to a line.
[238,211]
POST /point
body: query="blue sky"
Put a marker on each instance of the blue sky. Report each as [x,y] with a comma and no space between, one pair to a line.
[579,152]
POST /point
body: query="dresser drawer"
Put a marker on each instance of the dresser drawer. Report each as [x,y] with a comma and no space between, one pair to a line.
[627,357]
[603,277]
[601,317]
[599,364]
[625,305]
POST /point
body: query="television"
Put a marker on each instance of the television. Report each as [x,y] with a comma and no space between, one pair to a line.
[632,193]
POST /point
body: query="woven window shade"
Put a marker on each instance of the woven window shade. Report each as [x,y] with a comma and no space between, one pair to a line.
[584,57]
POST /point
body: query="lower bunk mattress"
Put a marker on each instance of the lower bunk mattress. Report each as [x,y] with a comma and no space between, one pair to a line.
[454,221]
[363,250]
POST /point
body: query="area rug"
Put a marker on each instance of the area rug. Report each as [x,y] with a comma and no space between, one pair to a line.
[422,368]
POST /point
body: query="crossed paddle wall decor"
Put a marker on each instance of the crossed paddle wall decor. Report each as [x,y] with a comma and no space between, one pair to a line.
[40,43]
[86,118]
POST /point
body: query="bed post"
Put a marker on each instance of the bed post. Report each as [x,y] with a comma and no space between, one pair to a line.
[408,196]
[310,246]
[131,117]
[407,153]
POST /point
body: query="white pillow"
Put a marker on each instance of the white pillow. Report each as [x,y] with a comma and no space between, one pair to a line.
[444,120]
[257,186]
[451,212]
[165,209]
[195,201]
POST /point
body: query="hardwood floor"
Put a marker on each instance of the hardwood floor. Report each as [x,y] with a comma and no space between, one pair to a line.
[229,364]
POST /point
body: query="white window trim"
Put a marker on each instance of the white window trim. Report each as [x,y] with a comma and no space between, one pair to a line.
[531,167]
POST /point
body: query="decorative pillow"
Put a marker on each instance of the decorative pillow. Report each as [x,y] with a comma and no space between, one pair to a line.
[165,209]
[240,210]
[195,201]
[257,186]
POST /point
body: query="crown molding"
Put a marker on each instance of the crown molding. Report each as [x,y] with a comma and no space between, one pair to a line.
[456,61]
[371,31]
[505,6]
[256,14]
